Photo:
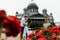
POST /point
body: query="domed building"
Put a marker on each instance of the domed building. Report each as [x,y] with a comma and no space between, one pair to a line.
[34,16]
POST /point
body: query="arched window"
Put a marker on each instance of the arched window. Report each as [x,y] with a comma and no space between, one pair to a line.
[31,10]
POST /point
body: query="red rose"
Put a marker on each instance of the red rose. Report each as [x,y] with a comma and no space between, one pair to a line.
[37,30]
[42,38]
[55,29]
[2,13]
[31,35]
[58,27]
[12,25]
[28,38]
[53,37]
[39,36]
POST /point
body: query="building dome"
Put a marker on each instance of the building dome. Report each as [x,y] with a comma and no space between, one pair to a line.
[25,9]
[44,10]
[32,5]
[50,13]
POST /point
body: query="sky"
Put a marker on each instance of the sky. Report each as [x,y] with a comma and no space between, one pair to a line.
[11,6]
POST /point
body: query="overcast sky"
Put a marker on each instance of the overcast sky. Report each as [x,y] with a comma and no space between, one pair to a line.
[11,6]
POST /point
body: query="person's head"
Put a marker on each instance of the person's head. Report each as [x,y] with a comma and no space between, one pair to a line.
[26,18]
[53,24]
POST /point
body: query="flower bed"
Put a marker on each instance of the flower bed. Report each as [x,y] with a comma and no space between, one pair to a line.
[51,33]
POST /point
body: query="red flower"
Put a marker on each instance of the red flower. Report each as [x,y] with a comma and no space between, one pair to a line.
[12,25]
[2,13]
[53,37]
[37,30]
[28,38]
[42,38]
[31,35]
[39,36]
[55,29]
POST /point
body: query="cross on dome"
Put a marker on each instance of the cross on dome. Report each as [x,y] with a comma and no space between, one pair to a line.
[32,0]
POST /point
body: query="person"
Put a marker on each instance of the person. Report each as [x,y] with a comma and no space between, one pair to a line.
[53,24]
[24,24]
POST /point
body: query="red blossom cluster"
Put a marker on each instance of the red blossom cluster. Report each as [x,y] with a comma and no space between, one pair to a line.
[10,23]
[37,36]
[54,32]
[2,13]
[2,16]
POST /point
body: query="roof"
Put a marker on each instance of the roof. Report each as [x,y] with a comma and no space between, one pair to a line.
[37,15]
[32,5]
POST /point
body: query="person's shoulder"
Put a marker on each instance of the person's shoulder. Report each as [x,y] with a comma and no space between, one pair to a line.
[23,19]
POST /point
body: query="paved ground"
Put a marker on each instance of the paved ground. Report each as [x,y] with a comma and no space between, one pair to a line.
[12,38]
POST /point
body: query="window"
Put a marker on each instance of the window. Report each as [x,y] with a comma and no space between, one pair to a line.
[31,10]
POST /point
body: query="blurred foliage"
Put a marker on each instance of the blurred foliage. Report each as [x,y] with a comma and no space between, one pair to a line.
[36,24]
[34,38]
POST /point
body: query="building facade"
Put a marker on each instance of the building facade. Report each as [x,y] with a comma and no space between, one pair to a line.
[34,16]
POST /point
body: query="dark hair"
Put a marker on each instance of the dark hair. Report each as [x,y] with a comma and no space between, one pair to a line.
[25,16]
[53,24]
